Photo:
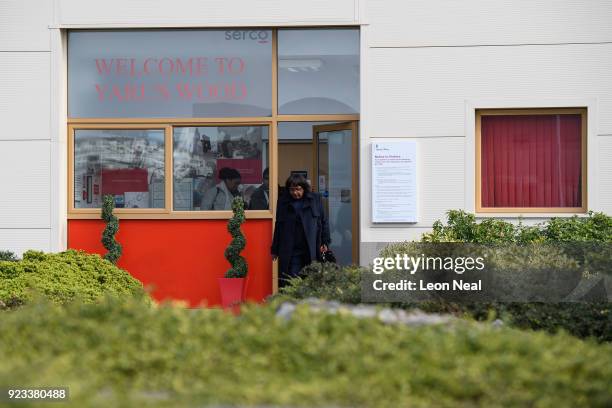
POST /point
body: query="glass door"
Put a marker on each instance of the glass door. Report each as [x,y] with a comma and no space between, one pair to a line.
[336,178]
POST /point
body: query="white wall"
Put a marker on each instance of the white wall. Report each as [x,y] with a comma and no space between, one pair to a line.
[204,13]
[426,23]
[427,63]
[24,25]
[25,114]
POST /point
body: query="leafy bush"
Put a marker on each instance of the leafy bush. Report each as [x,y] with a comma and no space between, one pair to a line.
[63,277]
[537,271]
[8,256]
[597,227]
[580,319]
[123,354]
[326,281]
[463,227]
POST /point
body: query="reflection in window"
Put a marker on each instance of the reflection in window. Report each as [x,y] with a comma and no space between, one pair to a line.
[318,71]
[128,164]
[212,165]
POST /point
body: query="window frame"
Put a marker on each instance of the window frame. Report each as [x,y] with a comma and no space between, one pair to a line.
[531,210]
[168,211]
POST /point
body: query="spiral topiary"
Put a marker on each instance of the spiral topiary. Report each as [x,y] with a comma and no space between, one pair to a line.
[232,252]
[112,226]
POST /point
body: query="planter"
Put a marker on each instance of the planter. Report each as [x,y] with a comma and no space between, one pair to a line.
[232,291]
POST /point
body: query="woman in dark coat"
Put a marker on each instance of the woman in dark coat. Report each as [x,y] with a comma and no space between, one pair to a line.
[301,232]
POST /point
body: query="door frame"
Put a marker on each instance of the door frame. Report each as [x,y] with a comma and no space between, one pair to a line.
[353,127]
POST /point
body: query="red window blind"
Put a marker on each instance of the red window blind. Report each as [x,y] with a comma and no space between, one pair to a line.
[531,160]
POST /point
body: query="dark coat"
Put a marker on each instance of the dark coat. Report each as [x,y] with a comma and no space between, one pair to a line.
[315,224]
[259,201]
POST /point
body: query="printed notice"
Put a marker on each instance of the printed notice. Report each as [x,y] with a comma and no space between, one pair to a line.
[394,192]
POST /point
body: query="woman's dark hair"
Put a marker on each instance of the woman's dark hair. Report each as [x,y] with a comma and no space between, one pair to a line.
[295,180]
[227,173]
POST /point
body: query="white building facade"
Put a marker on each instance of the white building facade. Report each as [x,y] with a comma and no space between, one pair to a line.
[427,68]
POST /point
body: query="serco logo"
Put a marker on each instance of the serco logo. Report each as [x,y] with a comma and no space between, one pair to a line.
[260,36]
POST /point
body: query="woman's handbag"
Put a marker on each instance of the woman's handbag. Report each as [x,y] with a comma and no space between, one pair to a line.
[328,256]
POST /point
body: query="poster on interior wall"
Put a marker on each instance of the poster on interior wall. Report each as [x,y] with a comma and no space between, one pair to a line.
[394,182]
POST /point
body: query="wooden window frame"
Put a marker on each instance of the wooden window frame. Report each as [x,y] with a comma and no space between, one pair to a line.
[168,211]
[531,111]
[168,124]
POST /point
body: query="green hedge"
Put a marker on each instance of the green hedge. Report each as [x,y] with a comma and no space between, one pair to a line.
[127,354]
[62,277]
[463,227]
[328,281]
[580,319]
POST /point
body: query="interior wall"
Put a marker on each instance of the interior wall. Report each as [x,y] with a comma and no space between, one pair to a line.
[294,157]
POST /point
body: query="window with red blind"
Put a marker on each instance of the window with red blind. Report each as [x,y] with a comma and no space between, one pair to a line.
[531,160]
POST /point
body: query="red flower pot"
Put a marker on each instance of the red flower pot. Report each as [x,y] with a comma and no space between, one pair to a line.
[232,291]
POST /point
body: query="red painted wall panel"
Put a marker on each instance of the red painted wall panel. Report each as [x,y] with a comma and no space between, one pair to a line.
[182,259]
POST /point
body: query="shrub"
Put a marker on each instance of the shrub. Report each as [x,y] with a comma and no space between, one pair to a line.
[463,227]
[239,267]
[112,226]
[124,354]
[580,319]
[326,281]
[8,256]
[63,277]
[597,227]
[511,272]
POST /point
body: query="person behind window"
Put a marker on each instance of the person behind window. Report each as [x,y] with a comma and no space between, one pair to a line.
[220,196]
[260,200]
[247,194]
[227,147]
[301,231]
[206,145]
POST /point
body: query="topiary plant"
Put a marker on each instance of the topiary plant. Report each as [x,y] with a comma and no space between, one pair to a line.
[112,226]
[239,267]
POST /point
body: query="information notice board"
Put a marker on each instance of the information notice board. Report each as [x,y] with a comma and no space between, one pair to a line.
[394,182]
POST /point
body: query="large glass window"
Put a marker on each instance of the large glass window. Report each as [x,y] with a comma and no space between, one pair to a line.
[318,71]
[177,122]
[214,164]
[128,164]
[531,160]
[169,73]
